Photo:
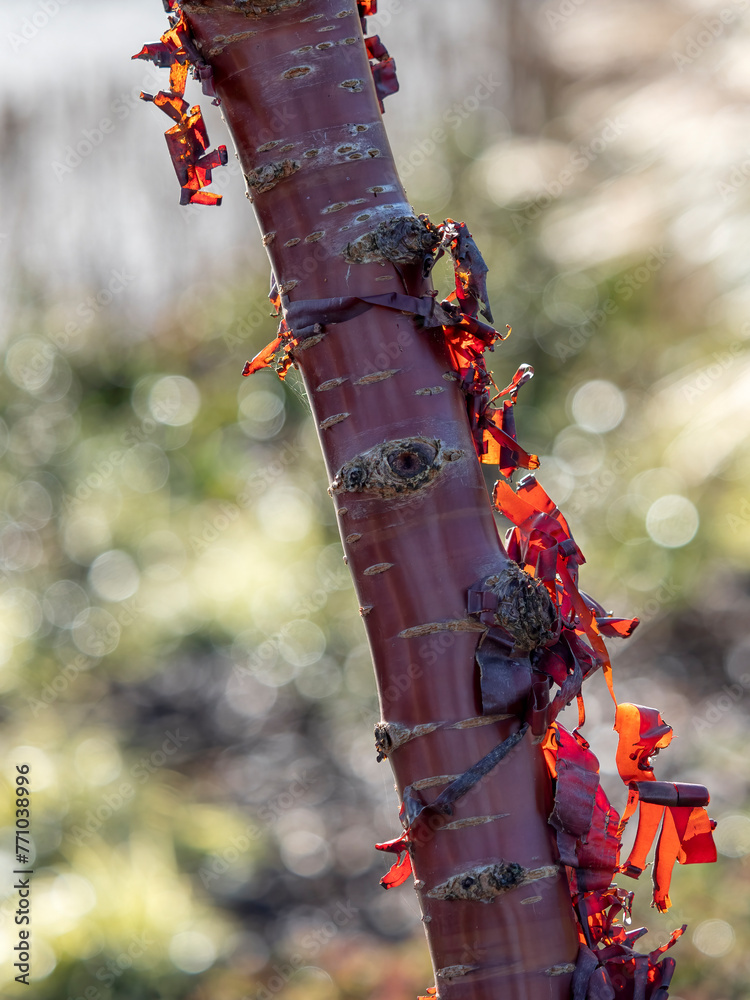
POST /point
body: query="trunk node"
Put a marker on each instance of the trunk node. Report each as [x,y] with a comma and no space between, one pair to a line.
[378,568]
[394,467]
[267,177]
[377,376]
[403,240]
[332,383]
[484,884]
[331,421]
[520,605]
[389,736]
[429,628]
[452,971]
[459,824]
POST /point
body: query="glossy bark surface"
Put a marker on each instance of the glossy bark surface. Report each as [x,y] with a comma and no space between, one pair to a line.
[297,94]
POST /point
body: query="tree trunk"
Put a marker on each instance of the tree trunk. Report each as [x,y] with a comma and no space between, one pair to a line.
[297,93]
[450,619]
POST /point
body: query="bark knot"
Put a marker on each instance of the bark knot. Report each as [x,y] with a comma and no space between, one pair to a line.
[394,467]
[484,883]
[519,604]
[404,239]
[258,8]
[265,178]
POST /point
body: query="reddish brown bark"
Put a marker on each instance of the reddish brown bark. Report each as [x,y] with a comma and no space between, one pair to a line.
[297,94]
[466,644]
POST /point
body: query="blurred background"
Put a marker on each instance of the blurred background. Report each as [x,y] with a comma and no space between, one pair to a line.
[182,664]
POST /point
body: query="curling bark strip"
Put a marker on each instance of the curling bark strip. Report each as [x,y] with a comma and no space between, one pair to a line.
[510,837]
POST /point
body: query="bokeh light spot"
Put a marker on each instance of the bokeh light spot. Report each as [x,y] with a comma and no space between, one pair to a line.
[29,504]
[145,468]
[578,452]
[285,514]
[598,406]
[72,895]
[262,414]
[192,951]
[249,697]
[301,643]
[30,363]
[305,853]
[714,938]
[63,602]
[97,760]
[672,521]
[174,400]
[320,680]
[85,534]
[96,632]
[732,836]
[114,576]
[20,613]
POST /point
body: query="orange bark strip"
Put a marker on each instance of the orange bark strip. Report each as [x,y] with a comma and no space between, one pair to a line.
[686,829]
[262,359]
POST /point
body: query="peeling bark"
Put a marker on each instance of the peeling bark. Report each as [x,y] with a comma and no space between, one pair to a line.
[466,642]
[399,446]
